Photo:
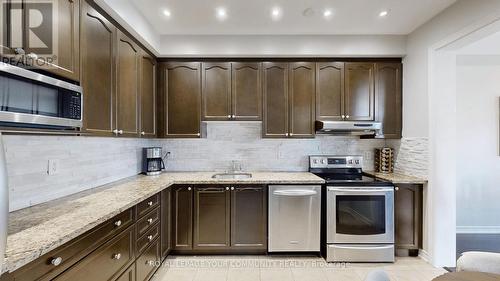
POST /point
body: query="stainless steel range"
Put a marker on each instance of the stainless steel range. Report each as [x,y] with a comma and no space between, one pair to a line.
[359,211]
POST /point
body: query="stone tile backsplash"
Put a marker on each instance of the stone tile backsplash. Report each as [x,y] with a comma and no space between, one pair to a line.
[87,162]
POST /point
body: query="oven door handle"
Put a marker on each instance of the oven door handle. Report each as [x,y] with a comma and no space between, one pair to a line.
[360,190]
[295,192]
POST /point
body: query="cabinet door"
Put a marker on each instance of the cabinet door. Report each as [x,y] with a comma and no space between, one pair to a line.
[211,217]
[98,71]
[408,218]
[246,91]
[12,28]
[330,91]
[388,95]
[302,91]
[181,84]
[165,221]
[67,63]
[249,217]
[216,91]
[182,218]
[127,97]
[147,263]
[360,96]
[275,93]
[147,82]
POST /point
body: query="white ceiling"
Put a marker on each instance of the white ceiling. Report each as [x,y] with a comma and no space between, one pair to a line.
[253,17]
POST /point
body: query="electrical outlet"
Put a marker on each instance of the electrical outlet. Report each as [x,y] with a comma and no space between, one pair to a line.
[367,156]
[53,167]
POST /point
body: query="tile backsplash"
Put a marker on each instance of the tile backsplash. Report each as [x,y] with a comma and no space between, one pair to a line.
[87,162]
[84,162]
[242,141]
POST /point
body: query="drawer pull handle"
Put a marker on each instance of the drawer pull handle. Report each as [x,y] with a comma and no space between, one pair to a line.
[56,261]
[189,188]
[232,187]
[118,223]
[396,188]
[150,237]
[150,203]
[117,256]
[150,220]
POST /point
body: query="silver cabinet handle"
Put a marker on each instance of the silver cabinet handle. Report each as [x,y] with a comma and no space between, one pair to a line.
[117,256]
[115,131]
[32,56]
[347,116]
[295,192]
[150,220]
[118,223]
[56,261]
[120,132]
[198,134]
[189,188]
[150,203]
[287,134]
[396,188]
[143,133]
[291,134]
[227,187]
[232,187]
[343,116]
[233,116]
[19,51]
[229,116]
[150,237]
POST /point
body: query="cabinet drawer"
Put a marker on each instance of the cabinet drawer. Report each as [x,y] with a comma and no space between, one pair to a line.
[106,262]
[150,219]
[147,205]
[71,252]
[144,241]
[148,262]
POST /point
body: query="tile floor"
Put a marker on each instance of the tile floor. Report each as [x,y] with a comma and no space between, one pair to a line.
[279,268]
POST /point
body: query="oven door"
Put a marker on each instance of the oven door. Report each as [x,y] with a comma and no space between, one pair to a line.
[360,214]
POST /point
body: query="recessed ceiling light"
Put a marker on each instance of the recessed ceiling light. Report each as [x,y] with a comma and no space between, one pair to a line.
[383,13]
[221,13]
[167,13]
[327,13]
[276,13]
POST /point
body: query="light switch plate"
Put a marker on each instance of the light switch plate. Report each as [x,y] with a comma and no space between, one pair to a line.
[53,167]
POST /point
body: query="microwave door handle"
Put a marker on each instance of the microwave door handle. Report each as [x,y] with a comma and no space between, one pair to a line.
[364,190]
[296,193]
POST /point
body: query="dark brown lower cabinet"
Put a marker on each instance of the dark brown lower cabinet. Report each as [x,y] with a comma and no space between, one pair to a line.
[165,222]
[211,217]
[182,222]
[249,217]
[106,262]
[128,275]
[148,262]
[408,219]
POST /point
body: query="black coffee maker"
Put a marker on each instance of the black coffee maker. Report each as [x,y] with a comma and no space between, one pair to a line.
[152,161]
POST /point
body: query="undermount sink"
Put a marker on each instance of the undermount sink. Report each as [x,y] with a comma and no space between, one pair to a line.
[232,176]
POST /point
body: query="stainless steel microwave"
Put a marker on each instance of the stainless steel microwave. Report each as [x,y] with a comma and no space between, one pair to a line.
[30,99]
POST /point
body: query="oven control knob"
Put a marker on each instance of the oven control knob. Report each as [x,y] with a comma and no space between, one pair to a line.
[315,161]
[350,162]
[357,161]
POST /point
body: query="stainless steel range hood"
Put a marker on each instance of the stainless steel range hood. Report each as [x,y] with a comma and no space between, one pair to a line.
[348,128]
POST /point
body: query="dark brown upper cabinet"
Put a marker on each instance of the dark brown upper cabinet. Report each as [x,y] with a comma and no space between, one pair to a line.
[147,83]
[61,56]
[211,217]
[182,223]
[127,97]
[246,91]
[181,93]
[98,41]
[275,94]
[359,91]
[249,217]
[302,99]
[216,91]
[330,91]
[388,96]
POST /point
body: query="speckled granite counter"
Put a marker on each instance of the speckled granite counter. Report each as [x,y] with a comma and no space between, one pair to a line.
[37,230]
[397,178]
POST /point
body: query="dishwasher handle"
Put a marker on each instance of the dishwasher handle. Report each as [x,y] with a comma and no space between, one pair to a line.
[295,192]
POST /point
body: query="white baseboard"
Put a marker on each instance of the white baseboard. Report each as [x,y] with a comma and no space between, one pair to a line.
[478,229]
[423,255]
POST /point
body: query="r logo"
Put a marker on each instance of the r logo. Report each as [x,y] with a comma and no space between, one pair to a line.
[39,25]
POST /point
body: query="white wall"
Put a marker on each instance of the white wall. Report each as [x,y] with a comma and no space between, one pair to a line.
[478,161]
[416,74]
[283,45]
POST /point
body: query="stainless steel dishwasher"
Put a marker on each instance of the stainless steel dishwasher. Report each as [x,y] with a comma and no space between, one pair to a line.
[294,218]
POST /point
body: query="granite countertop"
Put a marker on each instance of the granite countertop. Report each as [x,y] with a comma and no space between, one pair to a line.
[37,230]
[397,178]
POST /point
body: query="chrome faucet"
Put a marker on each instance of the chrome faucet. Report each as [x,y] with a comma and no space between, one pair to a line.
[236,166]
